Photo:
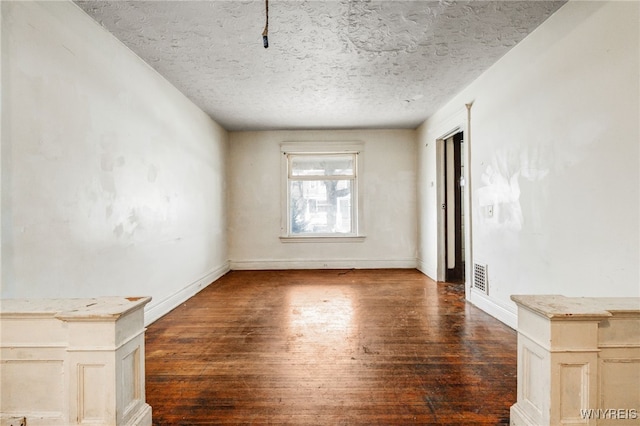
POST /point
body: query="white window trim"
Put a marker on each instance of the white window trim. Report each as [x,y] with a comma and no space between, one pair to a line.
[332,147]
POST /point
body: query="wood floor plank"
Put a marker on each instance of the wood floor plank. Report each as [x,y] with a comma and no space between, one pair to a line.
[358,347]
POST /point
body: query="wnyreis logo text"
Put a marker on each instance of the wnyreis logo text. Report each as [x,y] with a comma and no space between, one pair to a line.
[609,413]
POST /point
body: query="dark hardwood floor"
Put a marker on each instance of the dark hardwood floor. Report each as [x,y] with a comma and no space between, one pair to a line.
[359,347]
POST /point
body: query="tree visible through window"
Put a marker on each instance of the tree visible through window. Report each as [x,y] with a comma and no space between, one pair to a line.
[321,193]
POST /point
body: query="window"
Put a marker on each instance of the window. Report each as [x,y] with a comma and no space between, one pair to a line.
[321,192]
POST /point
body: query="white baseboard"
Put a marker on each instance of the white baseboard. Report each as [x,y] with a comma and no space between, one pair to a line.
[33,418]
[519,417]
[155,311]
[240,265]
[495,309]
[481,301]
[142,417]
[422,267]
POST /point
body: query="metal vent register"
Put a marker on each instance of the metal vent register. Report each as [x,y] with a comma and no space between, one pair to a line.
[480,282]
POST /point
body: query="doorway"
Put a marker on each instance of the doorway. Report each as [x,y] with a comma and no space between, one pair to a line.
[453,206]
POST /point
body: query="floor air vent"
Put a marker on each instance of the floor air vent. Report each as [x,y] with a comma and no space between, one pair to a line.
[480,282]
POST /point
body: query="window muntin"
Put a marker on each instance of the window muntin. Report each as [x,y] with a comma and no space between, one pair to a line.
[322,194]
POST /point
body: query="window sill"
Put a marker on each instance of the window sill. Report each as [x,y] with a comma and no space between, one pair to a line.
[322,239]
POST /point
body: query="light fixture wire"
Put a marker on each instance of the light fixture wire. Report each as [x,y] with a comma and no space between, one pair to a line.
[265,33]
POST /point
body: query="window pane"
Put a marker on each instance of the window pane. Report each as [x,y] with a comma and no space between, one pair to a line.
[320,206]
[322,165]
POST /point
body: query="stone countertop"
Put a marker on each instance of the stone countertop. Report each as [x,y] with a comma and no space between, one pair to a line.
[99,308]
[579,308]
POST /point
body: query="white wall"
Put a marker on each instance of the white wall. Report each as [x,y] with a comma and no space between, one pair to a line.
[113,183]
[389,184]
[555,151]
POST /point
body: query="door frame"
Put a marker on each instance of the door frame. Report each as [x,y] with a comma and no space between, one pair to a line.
[461,123]
[442,200]
[453,180]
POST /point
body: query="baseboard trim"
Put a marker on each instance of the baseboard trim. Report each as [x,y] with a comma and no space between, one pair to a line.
[493,308]
[519,417]
[422,267]
[153,312]
[142,417]
[256,265]
[33,419]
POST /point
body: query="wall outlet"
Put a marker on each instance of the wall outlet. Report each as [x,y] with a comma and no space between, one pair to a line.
[490,211]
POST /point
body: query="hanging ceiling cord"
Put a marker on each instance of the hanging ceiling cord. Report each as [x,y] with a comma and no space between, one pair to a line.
[265,33]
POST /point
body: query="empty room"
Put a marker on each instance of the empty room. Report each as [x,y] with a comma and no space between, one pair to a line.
[320,212]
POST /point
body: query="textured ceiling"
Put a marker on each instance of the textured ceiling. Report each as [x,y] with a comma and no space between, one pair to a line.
[329,65]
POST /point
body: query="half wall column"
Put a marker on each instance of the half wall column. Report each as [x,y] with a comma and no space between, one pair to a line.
[560,344]
[95,348]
